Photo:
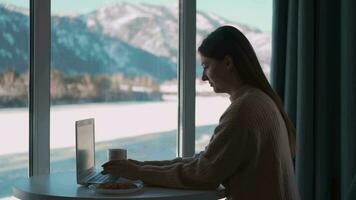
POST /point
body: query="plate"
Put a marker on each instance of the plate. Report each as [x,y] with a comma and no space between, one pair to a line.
[122,186]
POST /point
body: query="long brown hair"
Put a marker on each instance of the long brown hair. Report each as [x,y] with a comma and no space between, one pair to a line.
[229,41]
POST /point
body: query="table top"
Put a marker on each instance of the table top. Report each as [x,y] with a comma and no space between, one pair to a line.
[64,186]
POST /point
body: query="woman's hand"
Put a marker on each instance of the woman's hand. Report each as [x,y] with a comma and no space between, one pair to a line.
[122,168]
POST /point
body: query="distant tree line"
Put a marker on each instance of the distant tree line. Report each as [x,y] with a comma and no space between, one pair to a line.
[84,88]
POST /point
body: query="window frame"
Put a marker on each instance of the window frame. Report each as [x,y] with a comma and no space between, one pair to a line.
[186,78]
[39,87]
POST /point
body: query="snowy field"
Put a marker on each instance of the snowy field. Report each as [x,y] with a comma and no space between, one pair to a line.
[112,121]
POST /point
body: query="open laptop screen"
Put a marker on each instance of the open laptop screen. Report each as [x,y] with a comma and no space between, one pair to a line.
[85,146]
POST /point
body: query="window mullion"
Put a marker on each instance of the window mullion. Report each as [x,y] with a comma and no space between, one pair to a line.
[39,89]
[186,78]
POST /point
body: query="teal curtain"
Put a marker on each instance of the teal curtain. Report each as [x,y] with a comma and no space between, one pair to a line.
[314,72]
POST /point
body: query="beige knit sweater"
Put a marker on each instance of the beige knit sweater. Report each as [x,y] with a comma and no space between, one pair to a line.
[248,153]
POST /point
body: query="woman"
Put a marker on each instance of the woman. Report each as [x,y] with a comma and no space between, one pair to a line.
[251,150]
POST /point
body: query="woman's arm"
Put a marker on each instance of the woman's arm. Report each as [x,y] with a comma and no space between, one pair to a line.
[220,160]
[161,162]
[231,146]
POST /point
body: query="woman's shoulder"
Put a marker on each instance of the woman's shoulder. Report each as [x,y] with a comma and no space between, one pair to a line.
[252,97]
[253,101]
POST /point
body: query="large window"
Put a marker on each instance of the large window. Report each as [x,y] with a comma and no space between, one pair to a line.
[116,63]
[14,71]
[254,19]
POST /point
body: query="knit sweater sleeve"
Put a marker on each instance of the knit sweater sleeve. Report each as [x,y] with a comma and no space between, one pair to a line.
[225,152]
[164,162]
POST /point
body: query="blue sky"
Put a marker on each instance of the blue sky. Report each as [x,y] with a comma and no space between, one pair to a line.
[257,13]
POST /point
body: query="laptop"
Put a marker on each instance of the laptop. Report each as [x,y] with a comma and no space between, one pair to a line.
[85,155]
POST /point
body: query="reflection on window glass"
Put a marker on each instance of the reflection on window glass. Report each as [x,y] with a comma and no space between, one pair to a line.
[255,25]
[117,63]
[14,68]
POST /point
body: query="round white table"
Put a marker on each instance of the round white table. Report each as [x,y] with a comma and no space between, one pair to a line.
[64,186]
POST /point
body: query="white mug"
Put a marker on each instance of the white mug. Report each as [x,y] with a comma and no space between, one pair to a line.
[117,154]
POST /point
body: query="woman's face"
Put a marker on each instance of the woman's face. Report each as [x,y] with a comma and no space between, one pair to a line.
[217,74]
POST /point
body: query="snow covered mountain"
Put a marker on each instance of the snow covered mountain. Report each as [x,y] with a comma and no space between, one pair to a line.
[76,49]
[155,28]
[128,38]
[73,43]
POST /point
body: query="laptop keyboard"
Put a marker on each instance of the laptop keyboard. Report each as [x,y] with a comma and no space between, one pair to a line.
[100,178]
